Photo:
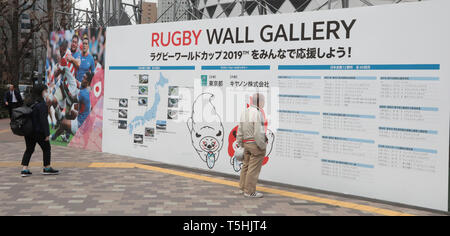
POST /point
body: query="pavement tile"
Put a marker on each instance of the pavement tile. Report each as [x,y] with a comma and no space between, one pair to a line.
[121,189]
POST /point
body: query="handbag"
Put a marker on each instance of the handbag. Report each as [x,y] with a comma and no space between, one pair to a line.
[239,154]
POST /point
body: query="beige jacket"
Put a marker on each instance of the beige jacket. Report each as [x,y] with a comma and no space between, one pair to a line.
[251,127]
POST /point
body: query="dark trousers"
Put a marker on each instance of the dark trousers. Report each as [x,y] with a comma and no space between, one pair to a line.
[11,106]
[31,142]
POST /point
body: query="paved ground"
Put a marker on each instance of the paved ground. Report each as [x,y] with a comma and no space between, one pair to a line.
[94,183]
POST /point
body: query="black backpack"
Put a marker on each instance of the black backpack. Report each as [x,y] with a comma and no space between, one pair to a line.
[21,120]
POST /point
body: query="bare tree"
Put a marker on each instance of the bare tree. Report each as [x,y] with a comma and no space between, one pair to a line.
[49,12]
[16,43]
[65,18]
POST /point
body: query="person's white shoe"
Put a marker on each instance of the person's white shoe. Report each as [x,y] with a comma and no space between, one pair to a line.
[254,195]
[239,191]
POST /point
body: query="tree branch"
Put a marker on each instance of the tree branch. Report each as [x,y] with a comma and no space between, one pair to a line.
[24,9]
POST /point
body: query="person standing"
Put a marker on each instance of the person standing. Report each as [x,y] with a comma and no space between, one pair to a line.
[41,133]
[251,135]
[87,61]
[12,99]
[75,55]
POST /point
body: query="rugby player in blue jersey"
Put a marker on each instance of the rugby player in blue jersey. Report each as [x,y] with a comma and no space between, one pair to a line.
[87,61]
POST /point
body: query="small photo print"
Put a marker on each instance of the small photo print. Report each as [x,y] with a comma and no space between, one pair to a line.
[123,102]
[123,113]
[161,124]
[143,90]
[143,79]
[173,90]
[173,102]
[172,114]
[149,132]
[142,101]
[122,124]
[139,139]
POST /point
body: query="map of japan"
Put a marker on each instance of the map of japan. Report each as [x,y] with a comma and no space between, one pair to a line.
[151,113]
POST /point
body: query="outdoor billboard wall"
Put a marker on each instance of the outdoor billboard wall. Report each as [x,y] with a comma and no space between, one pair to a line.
[357,100]
[75,76]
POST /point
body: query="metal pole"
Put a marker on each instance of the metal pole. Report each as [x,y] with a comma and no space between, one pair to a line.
[243,3]
[95,14]
[231,5]
[73,18]
[345,4]
[175,10]
[164,12]
[326,3]
[367,2]
[265,7]
[187,11]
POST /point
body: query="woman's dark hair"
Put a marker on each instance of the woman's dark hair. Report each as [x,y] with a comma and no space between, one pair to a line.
[35,96]
[38,89]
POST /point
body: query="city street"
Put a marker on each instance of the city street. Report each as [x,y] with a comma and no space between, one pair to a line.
[92,183]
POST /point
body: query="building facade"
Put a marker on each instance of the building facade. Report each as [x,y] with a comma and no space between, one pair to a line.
[114,13]
[209,9]
[173,10]
[149,13]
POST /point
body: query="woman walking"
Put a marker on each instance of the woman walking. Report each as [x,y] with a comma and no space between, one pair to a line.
[41,133]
